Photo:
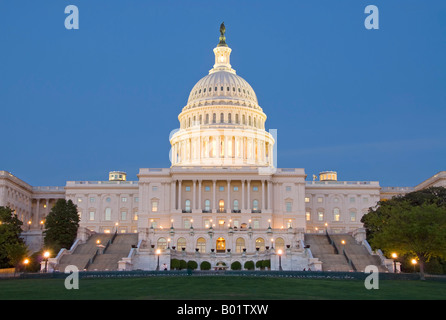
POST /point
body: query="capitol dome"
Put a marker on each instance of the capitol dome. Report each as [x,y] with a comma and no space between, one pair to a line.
[222,122]
[223,85]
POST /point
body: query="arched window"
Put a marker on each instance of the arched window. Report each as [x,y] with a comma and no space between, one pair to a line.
[221,245]
[207,119]
[260,243]
[207,205]
[229,118]
[201,245]
[280,244]
[214,118]
[239,245]
[222,117]
[236,118]
[161,243]
[181,243]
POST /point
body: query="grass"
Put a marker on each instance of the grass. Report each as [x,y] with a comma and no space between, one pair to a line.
[219,288]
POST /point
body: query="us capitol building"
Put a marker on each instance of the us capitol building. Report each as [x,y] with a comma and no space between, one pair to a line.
[222,199]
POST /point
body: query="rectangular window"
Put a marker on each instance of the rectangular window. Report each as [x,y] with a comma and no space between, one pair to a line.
[154,206]
[154,188]
[255,188]
[79,199]
[92,200]
[288,188]
[123,215]
[352,199]
[307,216]
[288,206]
[352,216]
[107,214]
[320,200]
[222,188]
[320,216]
[187,223]
[91,218]
[187,188]
[207,188]
[307,199]
[365,200]
[135,216]
[136,199]
[123,199]
[256,224]
[235,188]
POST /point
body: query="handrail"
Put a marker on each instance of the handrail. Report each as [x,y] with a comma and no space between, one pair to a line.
[332,242]
[350,261]
[91,260]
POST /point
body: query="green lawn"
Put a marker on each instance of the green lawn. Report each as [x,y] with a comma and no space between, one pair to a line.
[218,288]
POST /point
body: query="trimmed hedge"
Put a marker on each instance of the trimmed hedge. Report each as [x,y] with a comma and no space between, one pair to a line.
[192,265]
[249,265]
[236,265]
[205,266]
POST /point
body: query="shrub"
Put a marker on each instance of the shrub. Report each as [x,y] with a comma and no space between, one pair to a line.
[192,265]
[259,264]
[266,264]
[249,265]
[183,264]
[205,266]
[174,264]
[236,265]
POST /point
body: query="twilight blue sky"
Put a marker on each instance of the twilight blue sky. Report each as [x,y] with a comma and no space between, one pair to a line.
[370,104]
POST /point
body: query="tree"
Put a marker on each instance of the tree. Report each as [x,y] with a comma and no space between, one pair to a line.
[414,224]
[61,226]
[12,247]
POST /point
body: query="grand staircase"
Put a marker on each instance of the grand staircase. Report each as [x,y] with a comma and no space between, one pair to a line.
[341,252]
[100,252]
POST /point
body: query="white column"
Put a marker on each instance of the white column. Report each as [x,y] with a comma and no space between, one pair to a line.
[269,195]
[263,195]
[213,196]
[172,194]
[179,195]
[243,195]
[199,195]
[194,195]
[229,197]
[248,205]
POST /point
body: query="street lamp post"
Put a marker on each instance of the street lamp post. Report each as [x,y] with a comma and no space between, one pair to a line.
[394,256]
[414,262]
[158,252]
[280,259]
[46,255]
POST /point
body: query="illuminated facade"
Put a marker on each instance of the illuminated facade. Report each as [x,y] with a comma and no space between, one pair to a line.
[222,199]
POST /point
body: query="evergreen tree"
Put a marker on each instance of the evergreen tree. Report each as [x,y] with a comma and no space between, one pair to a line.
[12,247]
[61,226]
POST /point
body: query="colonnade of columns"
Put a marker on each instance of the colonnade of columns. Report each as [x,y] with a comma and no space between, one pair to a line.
[245,197]
[236,148]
